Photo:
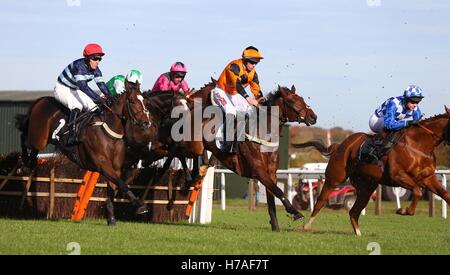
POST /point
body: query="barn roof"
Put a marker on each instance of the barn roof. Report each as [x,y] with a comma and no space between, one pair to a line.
[20,96]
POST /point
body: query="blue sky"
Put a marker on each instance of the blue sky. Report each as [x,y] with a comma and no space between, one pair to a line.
[344,57]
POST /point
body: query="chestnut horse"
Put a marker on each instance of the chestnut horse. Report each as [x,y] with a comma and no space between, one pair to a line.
[103,140]
[410,164]
[250,162]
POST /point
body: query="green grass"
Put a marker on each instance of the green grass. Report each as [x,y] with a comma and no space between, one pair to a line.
[234,231]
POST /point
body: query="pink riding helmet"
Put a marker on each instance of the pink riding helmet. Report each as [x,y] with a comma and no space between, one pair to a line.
[178,67]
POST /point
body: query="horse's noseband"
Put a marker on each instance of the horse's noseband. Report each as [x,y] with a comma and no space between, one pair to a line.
[300,118]
[135,121]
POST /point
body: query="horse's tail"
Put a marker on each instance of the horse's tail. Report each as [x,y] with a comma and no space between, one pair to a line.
[319,146]
[21,122]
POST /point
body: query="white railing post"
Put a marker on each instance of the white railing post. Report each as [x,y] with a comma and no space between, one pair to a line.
[290,194]
[444,203]
[311,195]
[397,197]
[222,190]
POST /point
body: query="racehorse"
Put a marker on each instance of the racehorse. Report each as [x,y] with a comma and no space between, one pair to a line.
[101,146]
[160,104]
[250,162]
[410,164]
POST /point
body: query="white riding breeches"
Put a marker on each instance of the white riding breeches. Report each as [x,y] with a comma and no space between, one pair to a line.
[73,99]
[376,123]
[231,104]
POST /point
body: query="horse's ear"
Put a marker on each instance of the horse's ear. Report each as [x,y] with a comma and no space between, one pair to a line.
[293,89]
[213,80]
[447,110]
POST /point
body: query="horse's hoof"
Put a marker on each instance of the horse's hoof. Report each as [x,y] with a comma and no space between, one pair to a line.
[402,211]
[307,228]
[142,210]
[112,222]
[298,217]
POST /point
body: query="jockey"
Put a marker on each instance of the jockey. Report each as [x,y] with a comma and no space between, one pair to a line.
[395,114]
[72,88]
[398,112]
[172,80]
[230,93]
[116,85]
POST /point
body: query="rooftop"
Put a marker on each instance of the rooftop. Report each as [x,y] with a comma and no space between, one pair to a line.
[20,96]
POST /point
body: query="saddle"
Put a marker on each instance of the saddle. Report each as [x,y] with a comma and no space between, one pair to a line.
[377,146]
[61,133]
[245,133]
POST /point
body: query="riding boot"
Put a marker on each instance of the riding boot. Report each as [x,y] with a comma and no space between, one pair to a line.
[240,132]
[72,127]
[229,132]
[225,134]
[387,144]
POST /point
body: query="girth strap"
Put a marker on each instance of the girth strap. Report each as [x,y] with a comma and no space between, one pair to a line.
[107,129]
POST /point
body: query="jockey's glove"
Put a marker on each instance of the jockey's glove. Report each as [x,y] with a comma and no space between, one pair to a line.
[412,122]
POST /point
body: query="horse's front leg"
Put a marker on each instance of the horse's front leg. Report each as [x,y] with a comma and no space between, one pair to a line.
[114,176]
[273,189]
[411,210]
[272,211]
[186,171]
[111,219]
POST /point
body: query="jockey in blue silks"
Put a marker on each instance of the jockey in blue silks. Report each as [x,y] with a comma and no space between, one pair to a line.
[393,115]
[72,88]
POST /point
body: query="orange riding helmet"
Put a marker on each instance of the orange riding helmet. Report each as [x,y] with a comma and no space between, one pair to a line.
[251,53]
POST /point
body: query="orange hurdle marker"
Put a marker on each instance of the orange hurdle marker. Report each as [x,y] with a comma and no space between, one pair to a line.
[193,197]
[84,195]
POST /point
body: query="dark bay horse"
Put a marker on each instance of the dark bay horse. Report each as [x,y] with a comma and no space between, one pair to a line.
[410,164]
[250,161]
[160,104]
[102,145]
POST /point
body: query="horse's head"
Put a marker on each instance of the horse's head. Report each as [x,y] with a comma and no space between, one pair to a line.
[161,103]
[292,106]
[138,119]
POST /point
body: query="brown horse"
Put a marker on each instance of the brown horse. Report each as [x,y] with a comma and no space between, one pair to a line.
[160,104]
[102,145]
[410,164]
[250,162]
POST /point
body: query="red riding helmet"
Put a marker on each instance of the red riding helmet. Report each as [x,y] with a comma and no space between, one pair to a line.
[93,49]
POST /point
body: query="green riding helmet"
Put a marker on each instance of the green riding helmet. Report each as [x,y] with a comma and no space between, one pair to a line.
[134,76]
[116,85]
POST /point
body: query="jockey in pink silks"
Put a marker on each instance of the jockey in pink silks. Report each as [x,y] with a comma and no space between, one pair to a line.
[173,80]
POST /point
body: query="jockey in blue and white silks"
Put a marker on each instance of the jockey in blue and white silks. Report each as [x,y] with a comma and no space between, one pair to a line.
[72,88]
[398,112]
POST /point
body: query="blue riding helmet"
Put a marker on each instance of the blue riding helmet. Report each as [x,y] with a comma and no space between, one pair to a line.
[413,91]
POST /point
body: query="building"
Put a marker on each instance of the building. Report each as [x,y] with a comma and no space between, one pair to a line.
[12,103]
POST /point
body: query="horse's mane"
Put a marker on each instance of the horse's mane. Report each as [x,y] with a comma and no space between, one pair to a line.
[209,85]
[433,118]
[150,93]
[428,120]
[272,96]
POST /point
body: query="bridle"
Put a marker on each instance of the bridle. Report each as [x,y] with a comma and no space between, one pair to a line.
[284,118]
[300,117]
[134,120]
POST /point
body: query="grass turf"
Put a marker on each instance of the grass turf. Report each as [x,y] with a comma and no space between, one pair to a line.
[234,231]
